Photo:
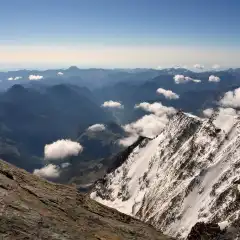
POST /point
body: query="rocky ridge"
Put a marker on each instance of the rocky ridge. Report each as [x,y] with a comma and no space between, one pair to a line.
[190,173]
[35,209]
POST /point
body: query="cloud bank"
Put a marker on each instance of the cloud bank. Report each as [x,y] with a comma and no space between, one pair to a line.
[213,78]
[112,104]
[127,141]
[225,118]
[215,66]
[149,125]
[97,128]
[231,99]
[208,112]
[179,79]
[65,165]
[198,66]
[35,77]
[167,93]
[156,108]
[61,149]
[60,73]
[14,78]
[48,171]
[226,115]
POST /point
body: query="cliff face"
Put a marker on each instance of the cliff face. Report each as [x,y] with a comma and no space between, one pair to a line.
[32,208]
[189,173]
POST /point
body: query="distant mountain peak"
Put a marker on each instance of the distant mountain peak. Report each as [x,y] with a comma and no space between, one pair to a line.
[73,68]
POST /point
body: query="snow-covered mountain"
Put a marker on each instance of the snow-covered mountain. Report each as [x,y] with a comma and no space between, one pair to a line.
[187,174]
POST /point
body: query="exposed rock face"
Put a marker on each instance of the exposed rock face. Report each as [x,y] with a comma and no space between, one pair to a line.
[32,208]
[189,173]
[208,231]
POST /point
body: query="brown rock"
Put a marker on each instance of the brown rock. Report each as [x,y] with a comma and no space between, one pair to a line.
[33,208]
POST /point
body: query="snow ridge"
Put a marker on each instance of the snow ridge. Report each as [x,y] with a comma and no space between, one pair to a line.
[188,173]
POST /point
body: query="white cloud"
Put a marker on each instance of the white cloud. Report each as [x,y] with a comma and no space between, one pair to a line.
[167,93]
[208,112]
[179,66]
[35,77]
[48,171]
[14,78]
[213,78]
[225,118]
[112,104]
[61,149]
[60,73]
[198,66]
[215,66]
[128,140]
[149,125]
[97,128]
[65,165]
[156,108]
[231,99]
[182,79]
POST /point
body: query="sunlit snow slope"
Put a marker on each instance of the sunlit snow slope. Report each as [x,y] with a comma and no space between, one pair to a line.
[189,173]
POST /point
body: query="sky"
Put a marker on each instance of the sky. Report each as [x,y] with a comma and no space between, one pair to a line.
[119,33]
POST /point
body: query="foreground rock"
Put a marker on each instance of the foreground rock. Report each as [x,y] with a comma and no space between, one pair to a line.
[32,208]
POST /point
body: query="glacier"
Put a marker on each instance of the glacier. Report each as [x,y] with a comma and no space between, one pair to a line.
[189,173]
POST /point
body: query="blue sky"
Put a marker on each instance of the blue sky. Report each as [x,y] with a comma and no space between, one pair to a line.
[117,26]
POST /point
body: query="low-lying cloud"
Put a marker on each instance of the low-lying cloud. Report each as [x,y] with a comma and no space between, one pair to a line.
[14,78]
[167,93]
[35,77]
[227,114]
[226,118]
[48,171]
[149,125]
[112,104]
[213,78]
[198,66]
[97,128]
[157,108]
[61,149]
[60,73]
[180,79]
[215,66]
[231,99]
[65,165]
[208,112]
[127,141]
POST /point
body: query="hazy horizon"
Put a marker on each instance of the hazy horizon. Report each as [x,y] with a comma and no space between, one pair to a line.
[119,34]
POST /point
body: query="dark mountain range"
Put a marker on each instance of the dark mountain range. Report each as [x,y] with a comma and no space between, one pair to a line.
[36,113]
[193,96]
[100,147]
[31,118]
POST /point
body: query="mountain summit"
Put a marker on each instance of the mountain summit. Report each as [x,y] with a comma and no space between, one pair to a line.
[189,173]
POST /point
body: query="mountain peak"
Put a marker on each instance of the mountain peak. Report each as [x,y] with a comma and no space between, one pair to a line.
[73,68]
[189,173]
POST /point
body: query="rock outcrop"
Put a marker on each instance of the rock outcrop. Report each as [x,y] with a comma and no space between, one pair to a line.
[33,208]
